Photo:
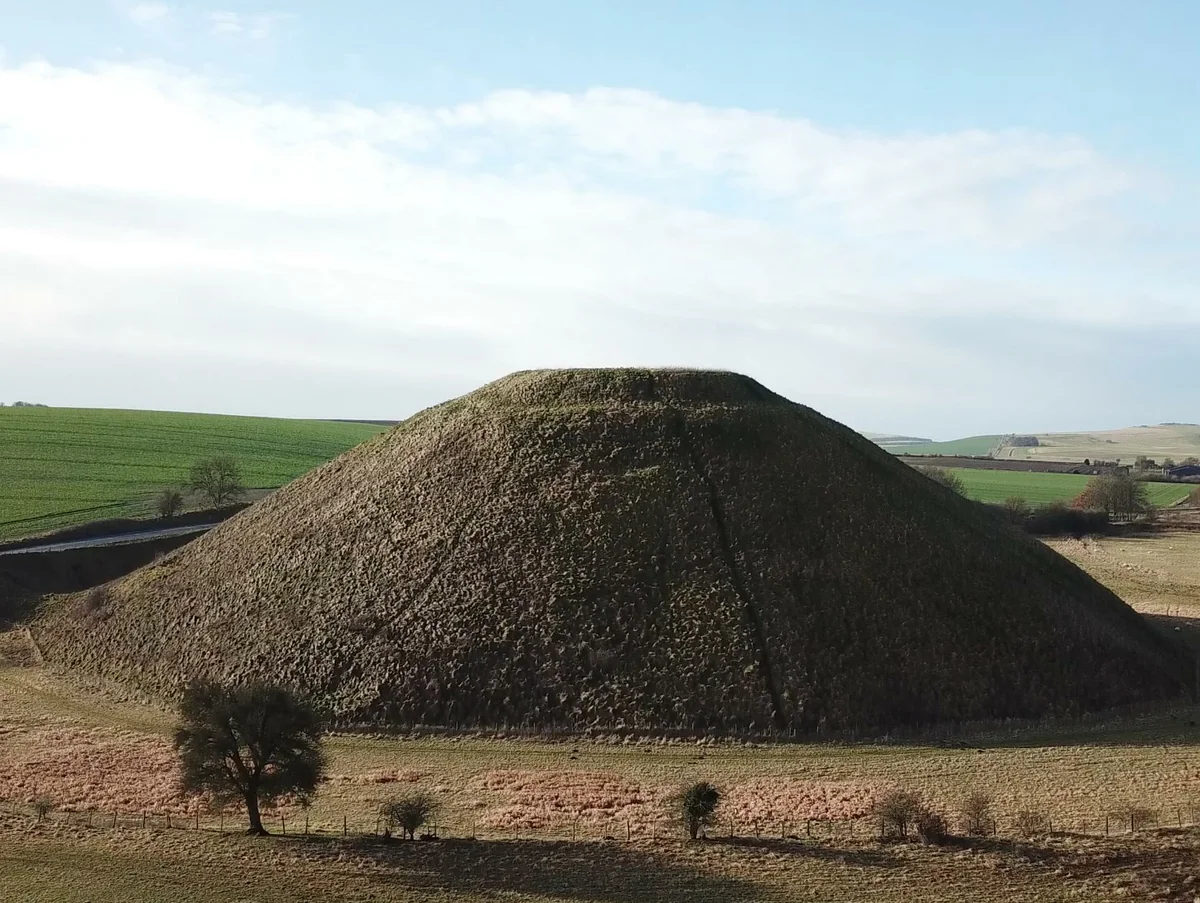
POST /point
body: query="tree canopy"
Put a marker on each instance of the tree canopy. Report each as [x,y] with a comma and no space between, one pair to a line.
[252,743]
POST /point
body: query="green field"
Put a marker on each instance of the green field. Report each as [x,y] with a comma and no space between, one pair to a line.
[972,446]
[60,466]
[1043,488]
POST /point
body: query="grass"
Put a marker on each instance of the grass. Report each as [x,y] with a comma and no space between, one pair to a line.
[60,467]
[971,446]
[1043,488]
[509,791]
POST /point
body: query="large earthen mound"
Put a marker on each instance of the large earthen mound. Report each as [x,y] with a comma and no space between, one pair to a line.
[640,549]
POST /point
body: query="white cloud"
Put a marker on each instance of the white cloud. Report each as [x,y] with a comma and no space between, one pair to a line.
[256,27]
[141,208]
[148,14]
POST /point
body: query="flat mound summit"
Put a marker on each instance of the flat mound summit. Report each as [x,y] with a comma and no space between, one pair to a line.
[641,549]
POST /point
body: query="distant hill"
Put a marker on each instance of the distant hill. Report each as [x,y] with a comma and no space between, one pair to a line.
[63,466]
[1167,440]
[969,447]
[632,550]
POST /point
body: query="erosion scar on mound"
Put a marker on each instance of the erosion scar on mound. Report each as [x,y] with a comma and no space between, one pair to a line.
[625,549]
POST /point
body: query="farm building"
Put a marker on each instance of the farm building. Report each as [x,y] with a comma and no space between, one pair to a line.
[1183,471]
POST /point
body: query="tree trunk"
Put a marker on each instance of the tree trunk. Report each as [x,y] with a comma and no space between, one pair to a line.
[256,825]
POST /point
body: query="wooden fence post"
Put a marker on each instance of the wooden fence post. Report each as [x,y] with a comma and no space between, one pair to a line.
[344,830]
[283,821]
[143,821]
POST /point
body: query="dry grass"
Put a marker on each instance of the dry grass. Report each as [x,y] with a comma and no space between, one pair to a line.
[625,550]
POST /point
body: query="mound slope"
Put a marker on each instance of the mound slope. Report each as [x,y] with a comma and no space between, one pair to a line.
[625,548]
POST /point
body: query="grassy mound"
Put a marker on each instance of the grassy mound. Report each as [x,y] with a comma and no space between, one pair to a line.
[649,550]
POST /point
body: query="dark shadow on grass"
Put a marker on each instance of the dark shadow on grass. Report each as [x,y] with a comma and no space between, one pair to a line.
[586,871]
[860,857]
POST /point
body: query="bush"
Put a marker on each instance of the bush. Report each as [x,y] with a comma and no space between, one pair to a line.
[943,475]
[42,807]
[1117,494]
[976,813]
[1031,822]
[1056,519]
[168,503]
[1138,817]
[409,813]
[931,826]
[697,807]
[897,810]
[1016,508]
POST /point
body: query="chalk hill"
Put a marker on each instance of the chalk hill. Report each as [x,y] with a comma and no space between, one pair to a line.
[625,548]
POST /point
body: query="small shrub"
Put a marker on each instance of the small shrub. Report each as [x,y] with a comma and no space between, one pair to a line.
[976,813]
[168,503]
[1031,822]
[1016,508]
[42,807]
[1139,817]
[408,813]
[697,806]
[897,810]
[931,826]
[945,476]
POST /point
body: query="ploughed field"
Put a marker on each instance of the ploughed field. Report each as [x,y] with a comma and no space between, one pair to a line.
[583,820]
[60,467]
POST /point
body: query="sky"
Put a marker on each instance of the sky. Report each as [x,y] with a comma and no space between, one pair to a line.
[929,218]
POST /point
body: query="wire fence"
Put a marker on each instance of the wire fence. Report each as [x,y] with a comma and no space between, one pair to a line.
[360,825]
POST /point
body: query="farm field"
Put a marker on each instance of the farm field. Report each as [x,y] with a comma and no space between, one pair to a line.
[60,467]
[1043,488]
[541,810]
[969,447]
[1176,441]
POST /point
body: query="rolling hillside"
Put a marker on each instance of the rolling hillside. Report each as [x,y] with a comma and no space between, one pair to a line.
[968,447]
[1176,441]
[60,466]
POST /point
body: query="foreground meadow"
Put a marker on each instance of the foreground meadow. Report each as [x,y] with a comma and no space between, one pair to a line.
[584,820]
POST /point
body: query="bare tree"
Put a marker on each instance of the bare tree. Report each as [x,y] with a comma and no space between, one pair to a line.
[217,479]
[409,813]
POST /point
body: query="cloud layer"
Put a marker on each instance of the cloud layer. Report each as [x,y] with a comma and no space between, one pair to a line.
[150,216]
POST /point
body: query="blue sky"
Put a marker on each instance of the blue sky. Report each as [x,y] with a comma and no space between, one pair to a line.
[933,218]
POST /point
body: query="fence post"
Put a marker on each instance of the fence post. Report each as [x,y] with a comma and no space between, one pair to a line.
[1106,817]
[808,827]
[343,826]
[114,819]
[143,821]
[628,830]
[197,819]
[168,819]
[283,822]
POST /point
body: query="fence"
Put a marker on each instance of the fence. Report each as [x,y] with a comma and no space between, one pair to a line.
[358,825]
